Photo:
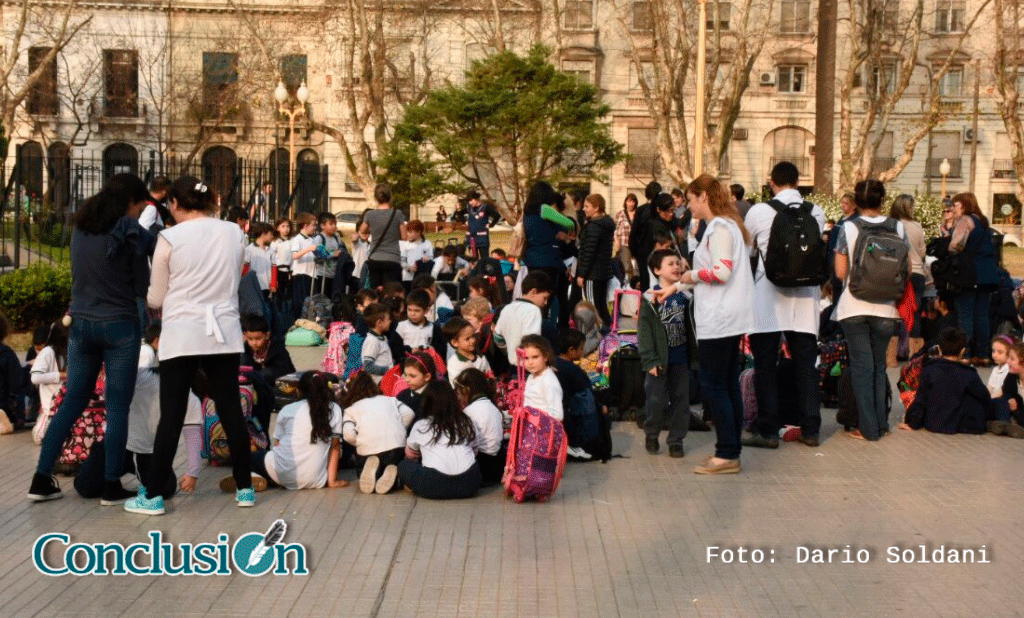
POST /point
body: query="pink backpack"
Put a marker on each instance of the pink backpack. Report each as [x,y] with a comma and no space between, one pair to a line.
[337,348]
[625,324]
[536,453]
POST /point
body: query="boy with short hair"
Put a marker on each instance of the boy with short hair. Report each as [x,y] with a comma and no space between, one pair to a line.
[662,343]
[577,392]
[461,337]
[449,264]
[416,330]
[267,356]
[951,398]
[523,316]
[329,239]
[377,358]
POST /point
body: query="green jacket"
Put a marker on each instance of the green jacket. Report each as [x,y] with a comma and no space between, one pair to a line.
[652,338]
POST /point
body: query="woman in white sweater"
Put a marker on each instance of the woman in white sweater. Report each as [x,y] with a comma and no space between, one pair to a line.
[196,270]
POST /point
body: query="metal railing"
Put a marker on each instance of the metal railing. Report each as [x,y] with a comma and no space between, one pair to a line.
[932,168]
[1003,168]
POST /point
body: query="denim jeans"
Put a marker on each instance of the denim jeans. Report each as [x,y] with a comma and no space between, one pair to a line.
[668,403]
[867,338]
[804,349]
[91,345]
[972,316]
[719,361]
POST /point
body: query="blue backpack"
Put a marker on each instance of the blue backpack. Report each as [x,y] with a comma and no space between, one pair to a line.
[354,358]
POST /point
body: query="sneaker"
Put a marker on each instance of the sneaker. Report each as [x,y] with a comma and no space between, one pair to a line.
[245,497]
[758,441]
[577,453]
[368,479]
[44,488]
[811,441]
[998,428]
[652,445]
[145,506]
[228,485]
[1015,431]
[675,451]
[387,479]
[730,466]
[114,493]
[789,433]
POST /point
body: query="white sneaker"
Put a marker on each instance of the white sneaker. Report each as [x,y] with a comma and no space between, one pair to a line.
[578,453]
[368,478]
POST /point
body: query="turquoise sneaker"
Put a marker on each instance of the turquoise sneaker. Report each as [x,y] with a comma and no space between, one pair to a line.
[245,497]
[145,506]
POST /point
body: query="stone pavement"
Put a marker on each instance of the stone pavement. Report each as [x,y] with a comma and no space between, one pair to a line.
[629,538]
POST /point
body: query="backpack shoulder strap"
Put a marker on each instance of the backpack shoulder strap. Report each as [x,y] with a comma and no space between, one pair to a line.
[776,204]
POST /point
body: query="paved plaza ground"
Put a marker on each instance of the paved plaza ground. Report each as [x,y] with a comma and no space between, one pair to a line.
[628,538]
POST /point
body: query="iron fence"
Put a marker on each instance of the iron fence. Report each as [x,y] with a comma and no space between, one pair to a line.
[41,193]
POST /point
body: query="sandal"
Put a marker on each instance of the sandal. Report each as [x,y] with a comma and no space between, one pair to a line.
[856,434]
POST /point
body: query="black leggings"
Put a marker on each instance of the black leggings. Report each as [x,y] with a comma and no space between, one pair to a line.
[176,375]
[383,272]
[430,483]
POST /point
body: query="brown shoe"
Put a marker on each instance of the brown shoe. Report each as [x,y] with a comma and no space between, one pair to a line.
[731,466]
[228,485]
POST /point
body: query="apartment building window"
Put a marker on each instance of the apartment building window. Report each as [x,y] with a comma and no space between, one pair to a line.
[121,83]
[42,98]
[293,71]
[883,79]
[642,146]
[580,69]
[578,15]
[949,15]
[951,84]
[792,78]
[718,15]
[796,17]
[220,74]
[1005,209]
[643,20]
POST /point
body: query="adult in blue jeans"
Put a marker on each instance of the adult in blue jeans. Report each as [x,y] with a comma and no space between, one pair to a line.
[971,235]
[867,325]
[109,273]
[723,292]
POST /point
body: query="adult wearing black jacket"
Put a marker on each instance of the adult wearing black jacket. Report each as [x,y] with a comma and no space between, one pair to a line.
[595,265]
[640,232]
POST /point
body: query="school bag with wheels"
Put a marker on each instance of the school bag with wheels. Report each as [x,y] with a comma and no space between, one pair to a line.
[337,347]
[880,262]
[625,389]
[797,254]
[536,452]
[625,323]
[847,415]
[317,308]
[215,439]
[88,429]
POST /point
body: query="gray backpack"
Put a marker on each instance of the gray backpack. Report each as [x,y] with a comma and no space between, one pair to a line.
[879,263]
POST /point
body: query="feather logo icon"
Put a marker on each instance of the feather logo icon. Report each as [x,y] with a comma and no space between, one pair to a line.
[273,536]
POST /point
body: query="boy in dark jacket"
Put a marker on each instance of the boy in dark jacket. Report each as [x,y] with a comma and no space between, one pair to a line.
[577,392]
[662,343]
[951,397]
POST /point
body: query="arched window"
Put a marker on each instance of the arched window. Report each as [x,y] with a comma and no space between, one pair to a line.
[308,197]
[31,166]
[219,171]
[58,172]
[791,144]
[120,159]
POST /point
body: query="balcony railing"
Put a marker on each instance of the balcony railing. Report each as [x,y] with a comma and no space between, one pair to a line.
[932,169]
[803,164]
[1003,168]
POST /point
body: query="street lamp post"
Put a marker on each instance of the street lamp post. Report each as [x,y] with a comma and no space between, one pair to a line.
[292,111]
[944,171]
[699,129]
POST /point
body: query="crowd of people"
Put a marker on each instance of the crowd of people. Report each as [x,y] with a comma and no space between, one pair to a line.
[173,304]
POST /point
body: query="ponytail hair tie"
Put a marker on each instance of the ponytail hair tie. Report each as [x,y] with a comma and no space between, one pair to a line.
[200,187]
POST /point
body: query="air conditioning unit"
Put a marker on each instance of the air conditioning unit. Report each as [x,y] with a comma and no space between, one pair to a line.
[969,135]
[767,78]
[739,134]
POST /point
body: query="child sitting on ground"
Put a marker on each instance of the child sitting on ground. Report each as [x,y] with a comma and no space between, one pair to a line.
[1001,345]
[522,317]
[416,331]
[440,463]
[418,370]
[1008,409]
[375,425]
[441,307]
[306,445]
[49,370]
[462,338]
[543,390]
[577,393]
[476,394]
[377,357]
[267,356]
[951,398]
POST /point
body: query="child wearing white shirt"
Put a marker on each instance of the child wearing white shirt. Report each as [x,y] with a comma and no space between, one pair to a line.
[376,426]
[476,393]
[543,391]
[377,358]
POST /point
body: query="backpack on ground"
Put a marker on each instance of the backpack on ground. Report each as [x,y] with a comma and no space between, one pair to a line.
[880,262]
[625,391]
[537,451]
[317,308]
[847,415]
[215,439]
[337,347]
[797,255]
[833,358]
[88,429]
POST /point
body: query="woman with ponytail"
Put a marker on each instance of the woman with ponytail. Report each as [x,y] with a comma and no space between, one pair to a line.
[307,442]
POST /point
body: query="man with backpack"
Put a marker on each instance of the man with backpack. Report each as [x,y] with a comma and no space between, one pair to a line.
[790,264]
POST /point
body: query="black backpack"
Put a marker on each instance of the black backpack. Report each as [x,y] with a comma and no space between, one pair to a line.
[797,253]
[625,390]
[879,262]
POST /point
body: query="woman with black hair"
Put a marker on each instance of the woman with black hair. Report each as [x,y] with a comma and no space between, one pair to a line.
[109,273]
[544,226]
[197,266]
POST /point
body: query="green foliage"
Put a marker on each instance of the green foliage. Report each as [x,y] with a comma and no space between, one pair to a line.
[54,234]
[927,210]
[35,295]
[516,120]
